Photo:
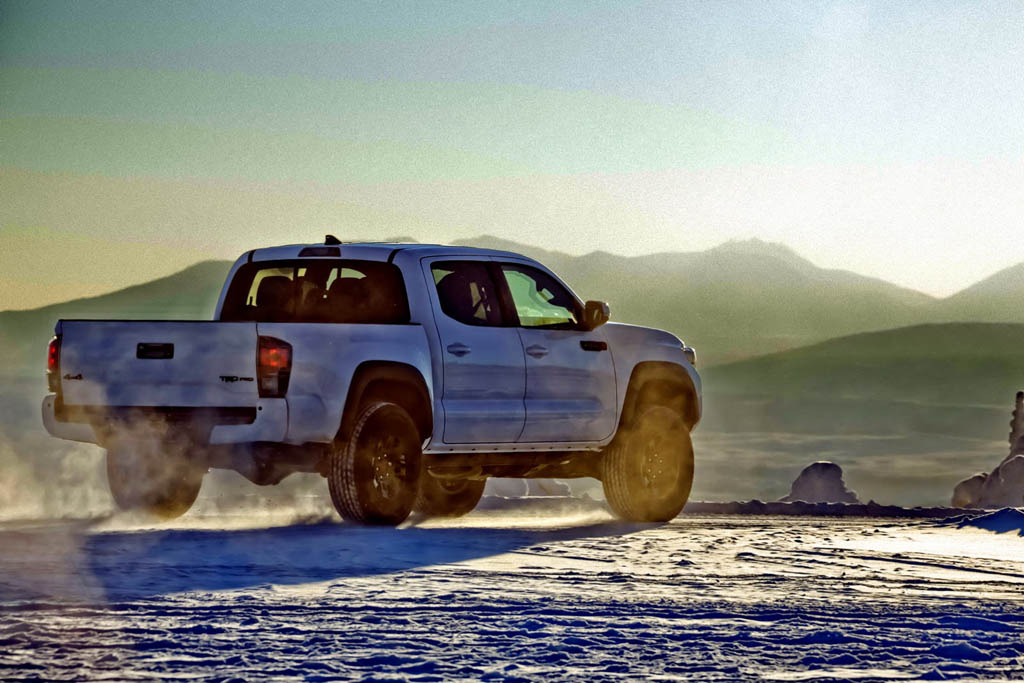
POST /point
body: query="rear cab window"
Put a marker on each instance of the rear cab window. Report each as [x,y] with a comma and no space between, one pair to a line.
[318,291]
[467,292]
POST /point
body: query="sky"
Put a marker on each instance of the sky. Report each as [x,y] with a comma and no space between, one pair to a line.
[878,137]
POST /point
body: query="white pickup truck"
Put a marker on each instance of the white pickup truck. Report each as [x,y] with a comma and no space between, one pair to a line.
[406,375]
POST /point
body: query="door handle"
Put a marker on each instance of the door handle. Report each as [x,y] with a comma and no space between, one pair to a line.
[458,349]
[537,351]
[591,345]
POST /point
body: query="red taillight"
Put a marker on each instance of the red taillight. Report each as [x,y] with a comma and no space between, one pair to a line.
[53,356]
[53,365]
[274,367]
[275,357]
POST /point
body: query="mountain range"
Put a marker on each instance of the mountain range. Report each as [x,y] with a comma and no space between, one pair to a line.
[957,379]
[734,301]
[909,393]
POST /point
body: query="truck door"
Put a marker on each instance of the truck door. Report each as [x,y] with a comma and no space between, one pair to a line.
[483,365]
[570,376]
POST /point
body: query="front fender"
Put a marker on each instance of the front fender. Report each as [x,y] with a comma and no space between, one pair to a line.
[644,354]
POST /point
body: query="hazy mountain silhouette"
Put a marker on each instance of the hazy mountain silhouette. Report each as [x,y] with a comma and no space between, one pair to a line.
[737,300]
[997,298]
[948,378]
[190,294]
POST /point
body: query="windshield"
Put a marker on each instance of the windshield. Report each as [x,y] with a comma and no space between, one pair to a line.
[318,291]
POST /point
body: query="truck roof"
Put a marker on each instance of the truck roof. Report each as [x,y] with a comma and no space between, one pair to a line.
[370,251]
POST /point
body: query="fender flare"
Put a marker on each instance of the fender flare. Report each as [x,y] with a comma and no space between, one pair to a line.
[663,383]
[383,379]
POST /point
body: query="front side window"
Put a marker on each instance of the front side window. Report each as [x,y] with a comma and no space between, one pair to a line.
[467,292]
[539,299]
[327,291]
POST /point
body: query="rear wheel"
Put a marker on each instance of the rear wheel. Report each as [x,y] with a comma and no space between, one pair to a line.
[374,476]
[447,497]
[152,476]
[647,473]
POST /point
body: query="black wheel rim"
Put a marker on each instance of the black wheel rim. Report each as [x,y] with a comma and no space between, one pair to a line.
[659,466]
[388,475]
[389,463]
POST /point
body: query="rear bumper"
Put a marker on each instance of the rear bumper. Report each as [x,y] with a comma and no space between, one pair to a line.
[271,424]
[267,421]
[70,431]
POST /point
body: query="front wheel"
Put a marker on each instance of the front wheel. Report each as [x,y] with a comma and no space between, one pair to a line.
[374,475]
[152,476]
[647,473]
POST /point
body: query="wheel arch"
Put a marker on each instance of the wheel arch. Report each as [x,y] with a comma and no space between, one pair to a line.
[391,381]
[660,383]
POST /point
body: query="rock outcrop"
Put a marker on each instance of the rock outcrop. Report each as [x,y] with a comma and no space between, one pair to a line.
[506,488]
[821,482]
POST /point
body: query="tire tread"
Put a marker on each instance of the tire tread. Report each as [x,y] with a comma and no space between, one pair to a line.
[342,481]
[615,475]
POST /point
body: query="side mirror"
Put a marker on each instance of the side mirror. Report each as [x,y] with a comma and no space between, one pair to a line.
[595,314]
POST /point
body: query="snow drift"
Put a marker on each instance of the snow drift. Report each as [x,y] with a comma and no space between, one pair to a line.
[1001,521]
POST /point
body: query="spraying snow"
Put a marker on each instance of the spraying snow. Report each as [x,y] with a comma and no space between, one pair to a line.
[1004,486]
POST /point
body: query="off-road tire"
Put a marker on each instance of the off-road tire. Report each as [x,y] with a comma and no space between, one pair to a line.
[374,475]
[447,497]
[647,471]
[152,477]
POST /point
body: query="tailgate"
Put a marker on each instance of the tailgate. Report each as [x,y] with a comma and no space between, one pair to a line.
[167,364]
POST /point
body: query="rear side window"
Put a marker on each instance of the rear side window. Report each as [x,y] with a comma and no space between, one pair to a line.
[326,291]
[467,292]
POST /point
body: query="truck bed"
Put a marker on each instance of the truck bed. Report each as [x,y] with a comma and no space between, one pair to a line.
[168,364]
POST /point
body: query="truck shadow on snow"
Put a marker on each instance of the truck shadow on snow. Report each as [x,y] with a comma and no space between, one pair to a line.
[66,561]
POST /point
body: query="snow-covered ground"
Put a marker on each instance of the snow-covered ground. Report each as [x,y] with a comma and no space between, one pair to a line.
[528,593]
